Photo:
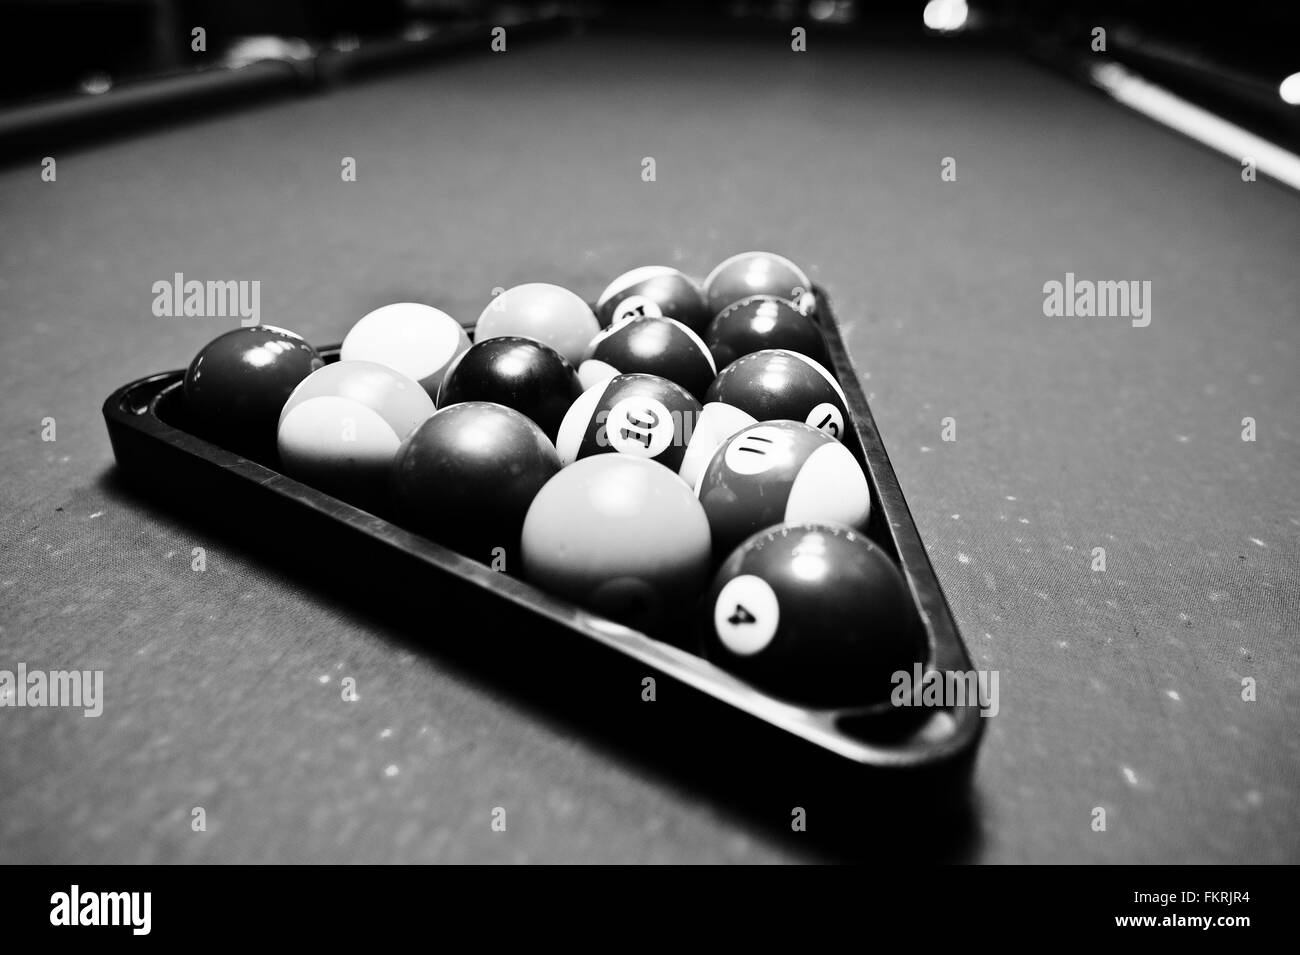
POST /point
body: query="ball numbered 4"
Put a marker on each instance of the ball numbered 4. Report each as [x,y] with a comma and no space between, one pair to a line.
[644,416]
[812,612]
[776,472]
[654,290]
[755,273]
[656,346]
[418,340]
[777,384]
[341,428]
[621,535]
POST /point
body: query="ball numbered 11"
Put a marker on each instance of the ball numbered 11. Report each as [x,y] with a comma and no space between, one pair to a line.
[780,471]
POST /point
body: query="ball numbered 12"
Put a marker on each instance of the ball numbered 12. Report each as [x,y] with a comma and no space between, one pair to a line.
[776,384]
[812,612]
[776,472]
[642,415]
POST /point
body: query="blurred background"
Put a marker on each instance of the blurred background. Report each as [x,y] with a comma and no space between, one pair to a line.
[1241,60]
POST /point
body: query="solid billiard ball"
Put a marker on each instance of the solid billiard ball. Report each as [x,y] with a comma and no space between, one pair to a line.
[654,290]
[763,321]
[622,536]
[552,315]
[656,346]
[467,475]
[237,384]
[642,415]
[780,471]
[717,422]
[815,613]
[778,384]
[418,340]
[341,428]
[520,373]
[755,273]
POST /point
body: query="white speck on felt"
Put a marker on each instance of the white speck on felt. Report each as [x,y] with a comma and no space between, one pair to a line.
[391,770]
[1011,497]
[95,515]
[1024,520]
[1172,694]
[1130,776]
[924,448]
[386,732]
[1257,542]
[323,678]
[956,517]
[1063,644]
[963,558]
[1183,439]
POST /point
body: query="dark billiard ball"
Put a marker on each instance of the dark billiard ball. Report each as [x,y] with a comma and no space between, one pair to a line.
[467,476]
[776,384]
[237,384]
[656,346]
[418,340]
[755,273]
[551,314]
[815,613]
[341,428]
[642,415]
[520,373]
[622,536]
[775,472]
[759,322]
[654,290]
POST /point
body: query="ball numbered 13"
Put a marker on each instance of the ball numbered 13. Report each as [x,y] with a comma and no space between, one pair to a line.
[777,384]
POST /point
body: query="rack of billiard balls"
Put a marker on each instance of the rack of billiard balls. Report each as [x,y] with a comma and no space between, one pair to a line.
[670,459]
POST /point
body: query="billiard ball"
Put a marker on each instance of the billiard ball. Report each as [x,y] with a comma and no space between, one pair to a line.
[759,322]
[815,613]
[622,536]
[520,373]
[776,384]
[467,475]
[237,384]
[654,290]
[641,415]
[717,422]
[418,340]
[780,471]
[548,313]
[341,428]
[656,346]
[755,273]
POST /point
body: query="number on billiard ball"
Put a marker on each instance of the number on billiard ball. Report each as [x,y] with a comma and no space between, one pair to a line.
[816,613]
